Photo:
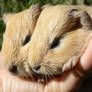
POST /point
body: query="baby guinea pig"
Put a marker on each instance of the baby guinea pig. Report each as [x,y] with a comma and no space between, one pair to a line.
[19,29]
[59,39]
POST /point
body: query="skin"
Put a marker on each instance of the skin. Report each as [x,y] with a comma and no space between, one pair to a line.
[61,84]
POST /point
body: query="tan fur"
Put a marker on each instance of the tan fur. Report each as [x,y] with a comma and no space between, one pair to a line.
[53,22]
[18,27]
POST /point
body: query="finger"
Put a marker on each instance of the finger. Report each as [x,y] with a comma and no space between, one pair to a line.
[68,82]
[11,83]
[86,59]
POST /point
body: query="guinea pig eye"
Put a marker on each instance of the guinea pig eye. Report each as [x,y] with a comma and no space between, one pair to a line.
[55,43]
[27,39]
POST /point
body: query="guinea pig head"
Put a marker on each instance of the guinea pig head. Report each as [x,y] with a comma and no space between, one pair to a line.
[57,43]
[16,39]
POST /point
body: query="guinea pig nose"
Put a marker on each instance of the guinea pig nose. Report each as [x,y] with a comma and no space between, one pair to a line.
[13,69]
[36,68]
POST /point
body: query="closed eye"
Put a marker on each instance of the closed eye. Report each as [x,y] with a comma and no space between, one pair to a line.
[28,38]
[55,43]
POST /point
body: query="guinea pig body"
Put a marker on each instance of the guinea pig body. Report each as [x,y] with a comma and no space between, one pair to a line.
[59,36]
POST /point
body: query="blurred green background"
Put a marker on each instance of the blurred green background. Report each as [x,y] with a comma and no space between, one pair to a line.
[7,6]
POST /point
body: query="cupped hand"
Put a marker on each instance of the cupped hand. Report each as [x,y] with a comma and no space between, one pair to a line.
[68,82]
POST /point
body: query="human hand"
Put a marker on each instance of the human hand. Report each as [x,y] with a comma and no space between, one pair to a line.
[68,82]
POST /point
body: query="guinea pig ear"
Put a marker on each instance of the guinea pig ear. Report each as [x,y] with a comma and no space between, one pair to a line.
[35,10]
[6,17]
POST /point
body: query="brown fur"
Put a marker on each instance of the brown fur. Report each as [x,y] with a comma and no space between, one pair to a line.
[37,57]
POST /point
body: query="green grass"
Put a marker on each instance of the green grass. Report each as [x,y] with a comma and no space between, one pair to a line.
[8,6]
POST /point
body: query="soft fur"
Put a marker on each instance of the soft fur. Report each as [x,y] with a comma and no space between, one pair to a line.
[71,25]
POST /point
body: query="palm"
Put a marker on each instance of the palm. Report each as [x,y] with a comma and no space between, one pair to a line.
[68,82]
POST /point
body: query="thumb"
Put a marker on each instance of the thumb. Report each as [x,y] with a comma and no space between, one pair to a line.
[86,58]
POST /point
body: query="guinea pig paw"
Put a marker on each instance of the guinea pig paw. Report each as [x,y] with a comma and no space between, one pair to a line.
[71,63]
[41,81]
